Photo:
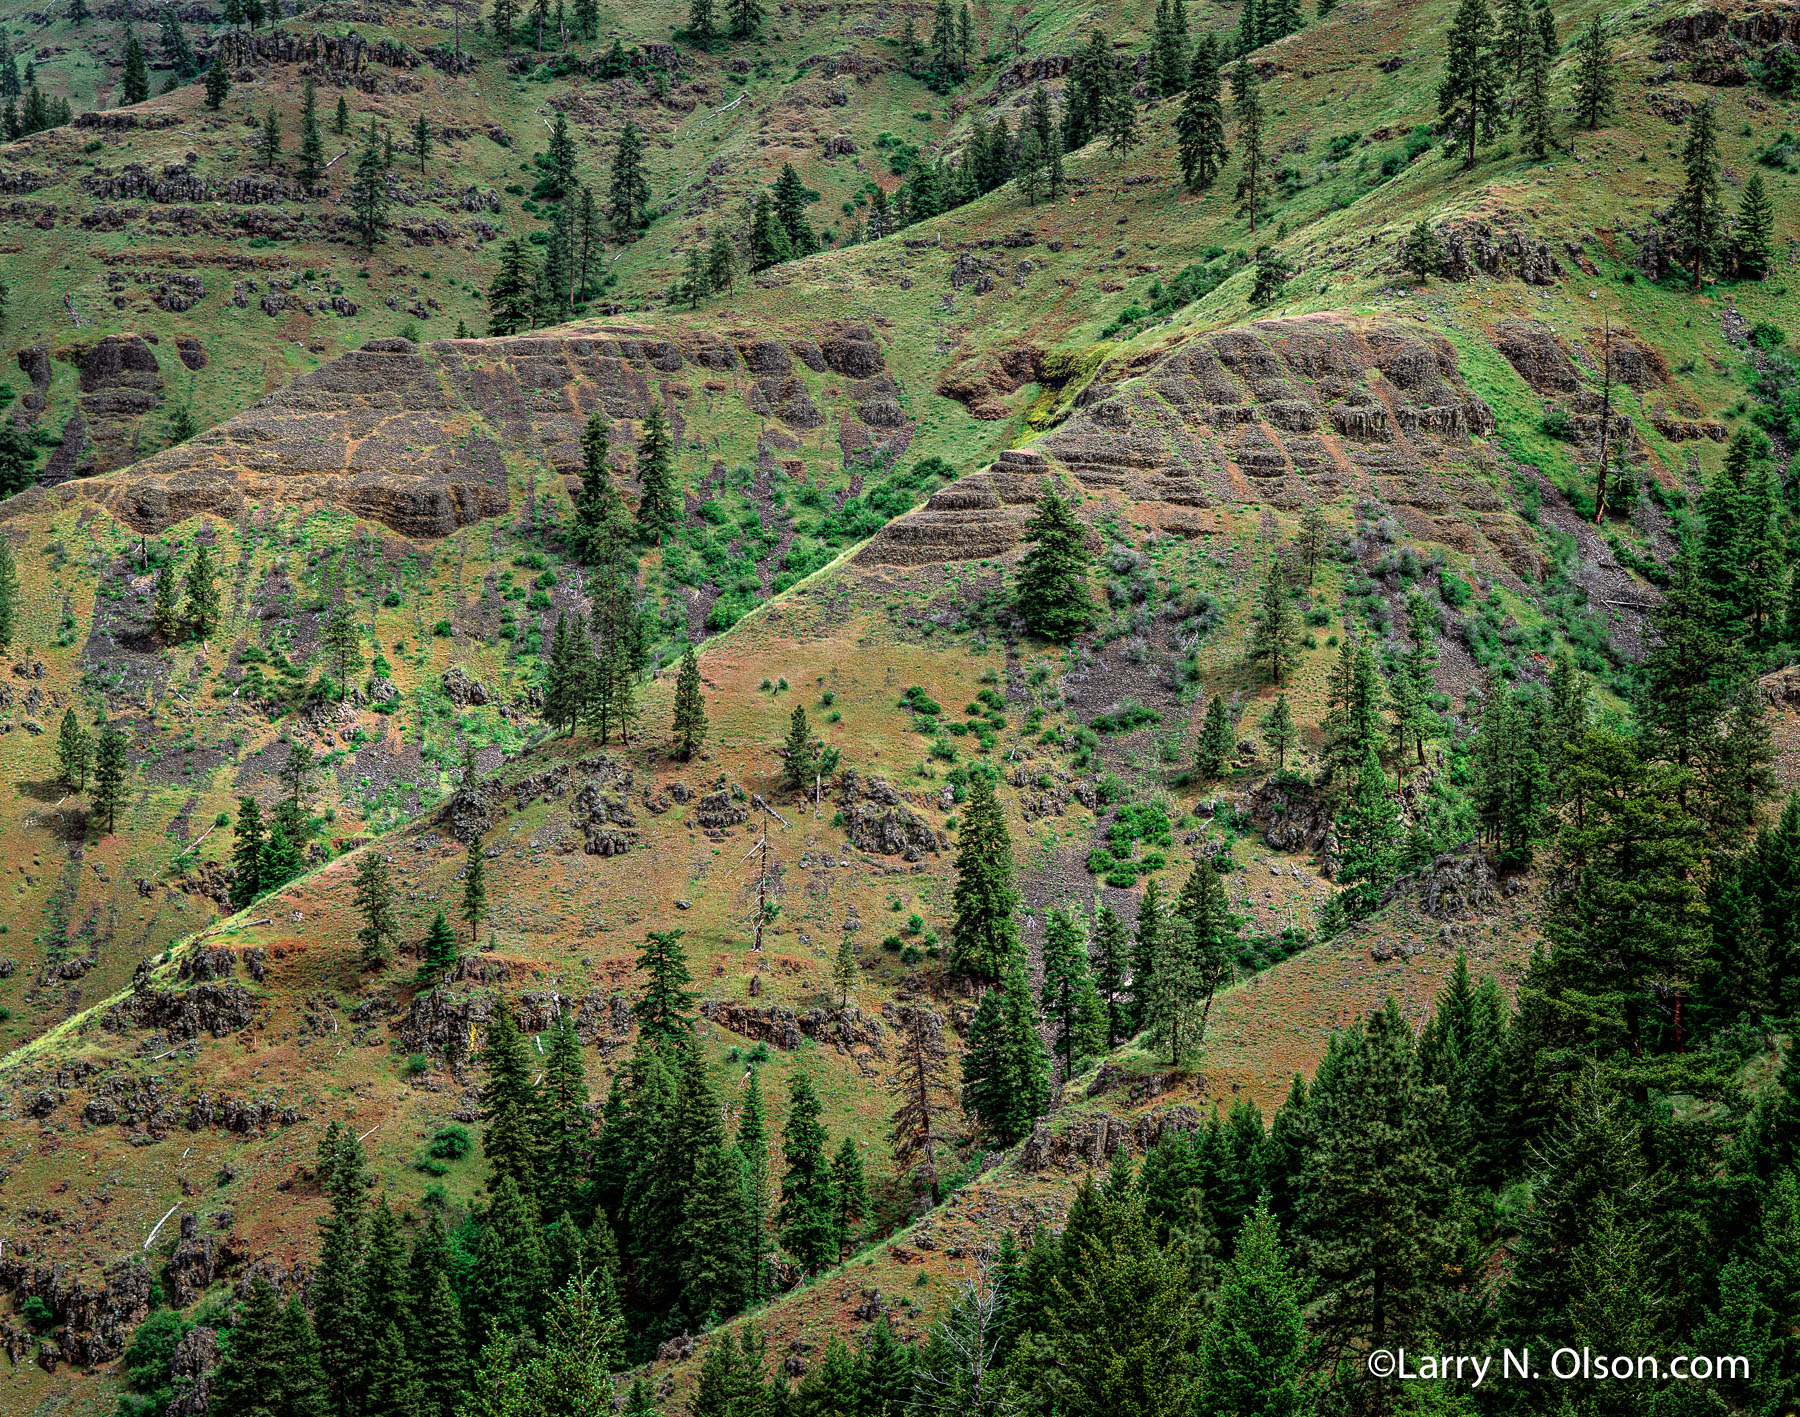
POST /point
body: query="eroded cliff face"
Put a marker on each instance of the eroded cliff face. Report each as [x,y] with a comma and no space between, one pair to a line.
[1282,412]
[418,437]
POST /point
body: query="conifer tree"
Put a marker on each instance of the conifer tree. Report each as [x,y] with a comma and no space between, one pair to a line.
[808,1213]
[1005,1074]
[373,894]
[923,1097]
[203,606]
[9,572]
[269,144]
[1536,123]
[281,861]
[74,751]
[507,1282]
[218,86]
[1214,747]
[1146,946]
[1077,1022]
[1051,589]
[984,937]
[1278,730]
[843,970]
[1699,210]
[339,1296]
[246,853]
[1469,96]
[309,165]
[1200,126]
[752,1146]
[134,82]
[1516,29]
[272,1367]
[851,1190]
[165,610]
[658,504]
[1754,238]
[791,198]
[1275,635]
[509,1106]
[1110,948]
[1375,1191]
[716,1258]
[1120,120]
[628,189]
[1208,939]
[511,301]
[1595,80]
[1255,1353]
[661,1015]
[1248,110]
[110,769]
[562,1122]
[1368,833]
[341,638]
[690,707]
[799,754]
[368,192]
[340,121]
[474,890]
[437,953]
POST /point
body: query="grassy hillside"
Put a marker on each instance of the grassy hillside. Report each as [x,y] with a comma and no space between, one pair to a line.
[161,1050]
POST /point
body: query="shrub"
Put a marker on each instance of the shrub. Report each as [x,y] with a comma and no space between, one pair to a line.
[450,1142]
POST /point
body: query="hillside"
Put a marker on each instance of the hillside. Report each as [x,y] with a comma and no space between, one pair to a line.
[859,439]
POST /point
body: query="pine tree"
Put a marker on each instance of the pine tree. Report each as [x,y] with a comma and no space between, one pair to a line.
[269,144]
[271,1368]
[1278,731]
[511,292]
[1700,210]
[1125,1329]
[1595,79]
[341,638]
[74,751]
[1077,1023]
[1754,238]
[438,952]
[715,1229]
[658,504]
[474,891]
[1275,633]
[203,607]
[629,189]
[1005,1075]
[1110,949]
[374,899]
[1152,922]
[562,1121]
[1368,833]
[843,970]
[509,1106]
[661,1015]
[281,861]
[690,707]
[1469,96]
[752,1147]
[9,573]
[369,193]
[1200,126]
[923,1097]
[1375,1191]
[507,1282]
[746,18]
[1255,1353]
[1537,129]
[1247,102]
[1216,733]
[808,1213]
[110,768]
[984,937]
[309,166]
[1051,589]
[558,164]
[1119,118]
[134,82]
[851,1190]
[246,853]
[218,85]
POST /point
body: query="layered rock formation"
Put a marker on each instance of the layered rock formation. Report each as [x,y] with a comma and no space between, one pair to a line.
[416,437]
[1285,412]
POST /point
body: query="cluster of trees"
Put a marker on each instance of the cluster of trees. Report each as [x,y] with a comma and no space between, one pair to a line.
[186,602]
[779,229]
[1712,240]
[379,936]
[266,855]
[743,21]
[526,292]
[96,758]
